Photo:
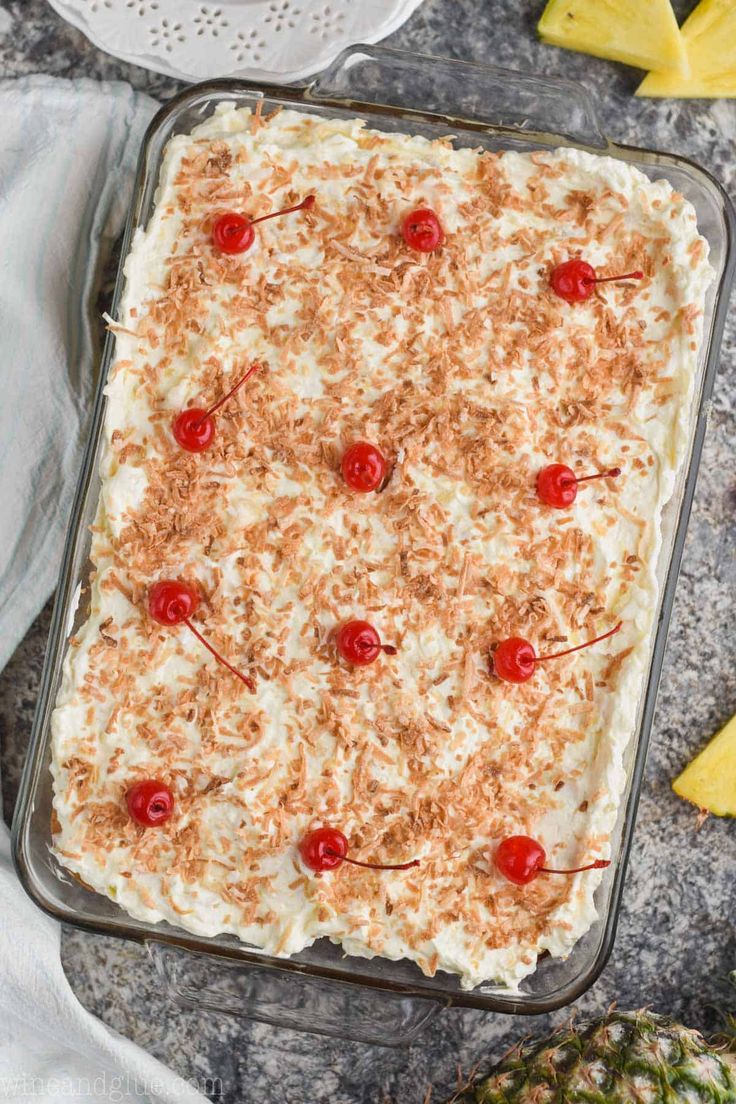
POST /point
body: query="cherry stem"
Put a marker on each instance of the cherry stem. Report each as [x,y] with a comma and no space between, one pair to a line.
[577,648]
[305,205]
[373,866]
[611,473]
[599,864]
[221,402]
[638,275]
[389,649]
[243,678]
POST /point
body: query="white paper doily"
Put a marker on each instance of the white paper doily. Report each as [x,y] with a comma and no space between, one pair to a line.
[270,40]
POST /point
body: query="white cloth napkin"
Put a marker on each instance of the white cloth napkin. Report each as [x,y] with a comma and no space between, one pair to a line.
[67,155]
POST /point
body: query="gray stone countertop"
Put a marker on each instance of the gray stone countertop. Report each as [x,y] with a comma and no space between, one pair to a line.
[676,941]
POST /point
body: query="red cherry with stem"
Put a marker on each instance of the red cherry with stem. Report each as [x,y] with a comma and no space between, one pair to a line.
[323,848]
[520,859]
[575,280]
[150,802]
[172,602]
[515,660]
[364,467]
[359,643]
[194,428]
[421,230]
[234,233]
[557,485]
[326,848]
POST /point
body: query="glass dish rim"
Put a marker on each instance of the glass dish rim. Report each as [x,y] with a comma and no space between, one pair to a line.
[141,932]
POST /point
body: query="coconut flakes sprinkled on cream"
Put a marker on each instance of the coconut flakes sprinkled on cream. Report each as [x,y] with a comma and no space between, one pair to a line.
[469,374]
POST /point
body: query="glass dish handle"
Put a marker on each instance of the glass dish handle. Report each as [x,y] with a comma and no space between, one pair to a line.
[461,91]
[289,999]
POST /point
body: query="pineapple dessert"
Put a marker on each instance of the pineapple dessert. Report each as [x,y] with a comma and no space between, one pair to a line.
[624,1058]
[709,37]
[710,780]
[304,434]
[642,33]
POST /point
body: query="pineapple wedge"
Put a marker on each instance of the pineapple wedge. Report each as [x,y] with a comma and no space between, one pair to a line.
[709,35]
[710,780]
[643,33]
[670,86]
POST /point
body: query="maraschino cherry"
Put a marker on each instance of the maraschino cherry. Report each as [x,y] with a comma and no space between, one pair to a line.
[234,233]
[150,802]
[575,280]
[327,848]
[515,660]
[359,643]
[194,428]
[172,602]
[421,230]
[557,485]
[521,859]
[364,467]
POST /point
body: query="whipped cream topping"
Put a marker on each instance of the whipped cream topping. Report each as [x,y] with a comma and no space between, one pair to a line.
[469,374]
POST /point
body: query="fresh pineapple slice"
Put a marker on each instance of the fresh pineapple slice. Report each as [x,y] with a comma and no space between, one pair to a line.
[710,780]
[709,35]
[670,86]
[643,33]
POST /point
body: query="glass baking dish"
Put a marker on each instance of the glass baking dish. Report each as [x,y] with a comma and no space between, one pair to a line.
[320,989]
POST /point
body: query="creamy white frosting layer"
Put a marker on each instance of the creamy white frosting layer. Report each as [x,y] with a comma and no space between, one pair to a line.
[470,375]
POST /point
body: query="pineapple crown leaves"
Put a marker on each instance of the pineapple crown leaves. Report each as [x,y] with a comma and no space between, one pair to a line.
[463,1093]
[624,1058]
[725,1040]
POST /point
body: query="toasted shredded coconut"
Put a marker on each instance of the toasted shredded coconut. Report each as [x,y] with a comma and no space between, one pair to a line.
[469,374]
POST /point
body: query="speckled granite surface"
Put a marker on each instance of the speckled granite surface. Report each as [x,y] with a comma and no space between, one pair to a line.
[676,938]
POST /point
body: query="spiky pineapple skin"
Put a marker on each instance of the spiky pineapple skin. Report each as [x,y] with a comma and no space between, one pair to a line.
[625,1058]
